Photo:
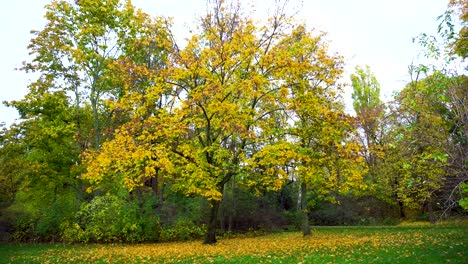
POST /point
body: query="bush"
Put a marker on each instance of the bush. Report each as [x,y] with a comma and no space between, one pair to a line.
[18,224]
[24,230]
[63,209]
[183,230]
[362,211]
[112,219]
[293,219]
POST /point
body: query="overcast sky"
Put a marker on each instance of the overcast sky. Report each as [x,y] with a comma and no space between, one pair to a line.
[374,32]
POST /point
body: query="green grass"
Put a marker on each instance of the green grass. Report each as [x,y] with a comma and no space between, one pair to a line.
[400,244]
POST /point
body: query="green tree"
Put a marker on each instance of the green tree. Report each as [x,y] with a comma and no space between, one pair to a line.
[369,111]
[79,59]
[47,170]
[12,151]
[449,83]
[80,50]
[320,132]
[416,159]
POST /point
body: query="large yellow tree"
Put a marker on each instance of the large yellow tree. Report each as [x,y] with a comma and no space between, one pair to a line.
[223,108]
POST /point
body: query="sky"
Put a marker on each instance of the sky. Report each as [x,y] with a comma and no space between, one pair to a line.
[377,33]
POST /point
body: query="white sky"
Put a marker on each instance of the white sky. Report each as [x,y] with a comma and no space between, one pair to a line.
[374,32]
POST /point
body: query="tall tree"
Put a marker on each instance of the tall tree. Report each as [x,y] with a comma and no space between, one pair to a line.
[79,49]
[217,101]
[369,110]
[77,58]
[224,110]
[448,80]
[421,137]
[319,129]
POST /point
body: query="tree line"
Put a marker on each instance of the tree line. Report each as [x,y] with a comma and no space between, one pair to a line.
[127,136]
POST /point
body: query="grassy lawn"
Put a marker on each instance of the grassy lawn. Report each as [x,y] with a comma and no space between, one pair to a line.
[402,244]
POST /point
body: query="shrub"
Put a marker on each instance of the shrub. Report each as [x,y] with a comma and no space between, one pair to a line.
[63,209]
[24,228]
[111,219]
[19,224]
[183,230]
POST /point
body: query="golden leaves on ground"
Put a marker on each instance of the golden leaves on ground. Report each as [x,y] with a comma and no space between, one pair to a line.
[325,244]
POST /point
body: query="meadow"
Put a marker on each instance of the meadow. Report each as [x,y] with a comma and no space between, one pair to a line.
[398,244]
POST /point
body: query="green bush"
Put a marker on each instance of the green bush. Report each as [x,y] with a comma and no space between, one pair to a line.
[18,224]
[293,219]
[50,220]
[112,219]
[464,201]
[183,230]
[24,230]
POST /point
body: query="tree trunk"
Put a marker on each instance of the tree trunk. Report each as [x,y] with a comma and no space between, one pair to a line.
[223,209]
[304,210]
[161,193]
[212,223]
[432,217]
[97,129]
[233,204]
[401,209]
[155,184]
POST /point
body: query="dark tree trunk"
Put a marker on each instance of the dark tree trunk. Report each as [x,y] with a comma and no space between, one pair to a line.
[401,209]
[155,184]
[233,204]
[430,209]
[157,189]
[212,223]
[161,193]
[223,209]
[304,211]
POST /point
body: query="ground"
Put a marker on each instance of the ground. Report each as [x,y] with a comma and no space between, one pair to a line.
[399,244]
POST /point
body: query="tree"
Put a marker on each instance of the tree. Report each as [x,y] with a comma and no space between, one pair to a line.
[457,92]
[450,104]
[77,58]
[46,169]
[449,47]
[319,130]
[222,113]
[458,42]
[421,137]
[81,48]
[11,163]
[369,111]
[212,93]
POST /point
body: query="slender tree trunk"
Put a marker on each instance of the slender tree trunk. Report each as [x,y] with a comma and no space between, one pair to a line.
[304,210]
[299,199]
[157,188]
[81,145]
[430,209]
[212,223]
[223,209]
[401,209]
[400,204]
[233,204]
[161,193]
[97,131]
[155,184]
